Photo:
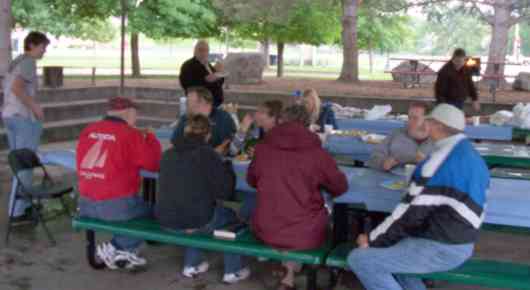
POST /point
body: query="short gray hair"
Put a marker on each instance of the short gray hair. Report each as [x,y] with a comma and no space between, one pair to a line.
[297,113]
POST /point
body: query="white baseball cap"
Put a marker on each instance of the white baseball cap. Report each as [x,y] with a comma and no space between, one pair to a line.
[449,115]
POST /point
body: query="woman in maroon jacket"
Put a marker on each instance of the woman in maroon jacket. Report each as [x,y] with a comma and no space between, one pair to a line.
[289,170]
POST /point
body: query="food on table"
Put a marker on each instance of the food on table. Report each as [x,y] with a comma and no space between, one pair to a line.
[395,185]
[350,133]
[242,157]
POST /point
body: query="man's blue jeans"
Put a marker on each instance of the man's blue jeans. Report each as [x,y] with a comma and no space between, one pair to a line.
[222,216]
[22,133]
[384,268]
[120,209]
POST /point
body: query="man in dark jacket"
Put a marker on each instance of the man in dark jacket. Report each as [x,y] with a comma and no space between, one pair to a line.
[200,102]
[435,226]
[192,178]
[289,170]
[454,83]
[198,72]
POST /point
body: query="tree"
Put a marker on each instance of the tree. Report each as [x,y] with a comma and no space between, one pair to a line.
[350,61]
[448,28]
[302,21]
[5,36]
[51,17]
[385,32]
[500,15]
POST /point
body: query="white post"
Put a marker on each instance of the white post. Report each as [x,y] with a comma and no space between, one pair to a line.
[5,36]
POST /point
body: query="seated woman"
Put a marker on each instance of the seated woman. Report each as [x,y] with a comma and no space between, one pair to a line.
[289,170]
[192,178]
[254,127]
[321,114]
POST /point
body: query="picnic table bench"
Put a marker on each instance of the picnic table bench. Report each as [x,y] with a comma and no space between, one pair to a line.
[488,273]
[246,244]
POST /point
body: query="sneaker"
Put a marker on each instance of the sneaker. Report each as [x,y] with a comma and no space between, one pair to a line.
[191,272]
[238,276]
[130,258]
[106,252]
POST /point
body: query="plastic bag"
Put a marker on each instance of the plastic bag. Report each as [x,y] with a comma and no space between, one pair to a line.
[501,118]
[521,116]
[378,112]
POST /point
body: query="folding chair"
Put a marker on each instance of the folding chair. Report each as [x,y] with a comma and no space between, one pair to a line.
[25,159]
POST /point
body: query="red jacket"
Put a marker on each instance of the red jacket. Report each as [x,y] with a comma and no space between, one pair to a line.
[110,155]
[289,170]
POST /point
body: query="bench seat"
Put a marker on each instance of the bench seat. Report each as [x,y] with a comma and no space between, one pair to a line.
[494,274]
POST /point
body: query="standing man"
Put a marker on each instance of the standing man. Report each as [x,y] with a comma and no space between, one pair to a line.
[436,225]
[22,114]
[198,72]
[454,84]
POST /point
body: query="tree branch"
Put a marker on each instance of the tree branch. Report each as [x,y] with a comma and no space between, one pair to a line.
[483,15]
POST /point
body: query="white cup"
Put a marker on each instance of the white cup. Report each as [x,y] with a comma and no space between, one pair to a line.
[476,120]
[328,129]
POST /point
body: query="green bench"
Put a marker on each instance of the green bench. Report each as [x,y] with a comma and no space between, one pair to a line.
[247,244]
[499,275]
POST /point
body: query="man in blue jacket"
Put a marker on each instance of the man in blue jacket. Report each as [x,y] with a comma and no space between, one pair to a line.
[435,226]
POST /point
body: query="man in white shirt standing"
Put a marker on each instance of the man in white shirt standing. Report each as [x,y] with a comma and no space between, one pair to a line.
[21,113]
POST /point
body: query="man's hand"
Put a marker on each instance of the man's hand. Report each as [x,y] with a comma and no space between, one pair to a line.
[38,112]
[476,106]
[246,123]
[222,148]
[362,241]
[211,78]
[146,131]
[390,163]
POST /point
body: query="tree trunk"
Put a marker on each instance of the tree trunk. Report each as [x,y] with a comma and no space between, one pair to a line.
[350,63]
[281,47]
[371,57]
[265,50]
[500,28]
[135,56]
[5,36]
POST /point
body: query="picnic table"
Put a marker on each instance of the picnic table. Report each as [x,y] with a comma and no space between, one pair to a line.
[387,126]
[507,200]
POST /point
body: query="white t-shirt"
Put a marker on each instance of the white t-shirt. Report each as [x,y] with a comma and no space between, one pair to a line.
[25,67]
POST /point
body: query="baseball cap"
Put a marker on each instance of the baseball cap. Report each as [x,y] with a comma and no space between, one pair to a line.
[449,115]
[121,103]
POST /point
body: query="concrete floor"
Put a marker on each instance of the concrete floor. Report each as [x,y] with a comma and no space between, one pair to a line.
[30,263]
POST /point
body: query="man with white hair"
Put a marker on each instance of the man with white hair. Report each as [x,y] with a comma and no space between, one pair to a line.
[435,226]
[198,72]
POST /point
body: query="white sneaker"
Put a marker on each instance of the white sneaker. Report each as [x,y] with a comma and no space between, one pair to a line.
[238,276]
[191,272]
[106,253]
[132,259]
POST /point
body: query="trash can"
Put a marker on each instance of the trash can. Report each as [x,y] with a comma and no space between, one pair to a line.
[273,59]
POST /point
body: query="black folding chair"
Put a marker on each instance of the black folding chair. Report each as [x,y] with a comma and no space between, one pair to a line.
[25,159]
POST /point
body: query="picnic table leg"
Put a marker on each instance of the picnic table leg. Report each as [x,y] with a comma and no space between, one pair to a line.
[91,251]
[340,223]
[311,275]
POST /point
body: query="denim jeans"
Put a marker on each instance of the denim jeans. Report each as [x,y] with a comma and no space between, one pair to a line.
[384,268]
[121,209]
[21,133]
[222,217]
[247,206]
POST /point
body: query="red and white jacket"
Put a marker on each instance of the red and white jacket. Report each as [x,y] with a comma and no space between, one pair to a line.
[110,155]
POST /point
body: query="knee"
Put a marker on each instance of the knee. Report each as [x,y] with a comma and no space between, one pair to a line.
[359,259]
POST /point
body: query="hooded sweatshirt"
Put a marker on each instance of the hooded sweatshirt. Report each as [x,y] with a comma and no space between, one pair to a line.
[192,177]
[289,170]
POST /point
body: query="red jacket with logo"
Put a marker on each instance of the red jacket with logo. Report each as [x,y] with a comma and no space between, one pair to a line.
[110,155]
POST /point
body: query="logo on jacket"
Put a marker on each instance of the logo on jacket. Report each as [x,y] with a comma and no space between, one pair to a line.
[94,157]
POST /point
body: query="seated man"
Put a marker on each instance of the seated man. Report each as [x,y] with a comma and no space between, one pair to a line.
[437,223]
[289,170]
[200,102]
[110,155]
[192,178]
[407,145]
